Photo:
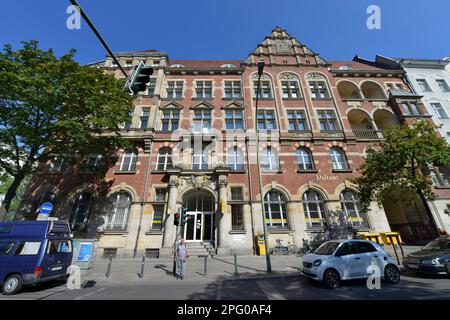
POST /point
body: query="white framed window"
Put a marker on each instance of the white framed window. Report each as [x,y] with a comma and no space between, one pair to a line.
[234,119]
[235,159]
[424,86]
[233,89]
[80,210]
[304,159]
[129,160]
[290,89]
[314,209]
[203,89]
[170,120]
[164,159]
[351,206]
[174,89]
[439,110]
[265,91]
[338,159]
[270,159]
[275,206]
[327,120]
[144,118]
[443,85]
[297,120]
[202,120]
[266,120]
[118,211]
[319,90]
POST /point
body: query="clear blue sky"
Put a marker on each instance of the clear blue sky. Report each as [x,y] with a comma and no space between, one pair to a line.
[230,29]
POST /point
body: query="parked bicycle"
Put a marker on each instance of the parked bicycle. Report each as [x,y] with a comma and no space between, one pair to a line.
[281,249]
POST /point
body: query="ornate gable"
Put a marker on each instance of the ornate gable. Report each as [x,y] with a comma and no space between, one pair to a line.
[202,105]
[233,105]
[279,47]
[171,105]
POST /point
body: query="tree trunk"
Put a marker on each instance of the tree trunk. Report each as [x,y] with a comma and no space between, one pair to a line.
[429,213]
[10,194]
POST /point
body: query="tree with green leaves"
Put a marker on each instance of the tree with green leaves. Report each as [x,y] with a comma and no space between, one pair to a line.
[397,169]
[54,107]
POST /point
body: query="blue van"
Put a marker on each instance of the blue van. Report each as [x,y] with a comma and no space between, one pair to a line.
[33,252]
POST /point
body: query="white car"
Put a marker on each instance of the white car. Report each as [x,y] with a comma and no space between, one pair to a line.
[340,260]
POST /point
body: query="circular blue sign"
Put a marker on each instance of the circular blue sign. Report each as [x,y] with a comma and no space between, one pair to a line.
[46,208]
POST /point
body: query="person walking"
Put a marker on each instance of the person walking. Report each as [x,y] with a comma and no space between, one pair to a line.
[180,257]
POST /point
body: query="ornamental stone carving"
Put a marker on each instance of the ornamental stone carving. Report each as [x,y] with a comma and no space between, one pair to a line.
[264,76]
[315,76]
[288,76]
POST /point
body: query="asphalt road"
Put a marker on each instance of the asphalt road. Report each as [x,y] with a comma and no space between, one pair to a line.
[411,286]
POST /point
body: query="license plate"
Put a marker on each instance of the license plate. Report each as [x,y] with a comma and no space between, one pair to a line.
[57,268]
[413,266]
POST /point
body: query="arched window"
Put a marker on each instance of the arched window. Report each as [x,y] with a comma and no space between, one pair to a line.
[235,159]
[164,159]
[270,159]
[304,159]
[337,156]
[275,206]
[129,160]
[351,206]
[314,208]
[118,211]
[80,210]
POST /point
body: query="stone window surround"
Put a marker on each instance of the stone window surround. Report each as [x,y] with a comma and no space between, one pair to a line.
[166,86]
[194,88]
[233,80]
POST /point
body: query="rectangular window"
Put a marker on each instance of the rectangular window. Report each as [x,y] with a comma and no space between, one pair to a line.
[5,247]
[264,89]
[203,89]
[234,119]
[237,217]
[266,120]
[56,165]
[439,110]
[144,118]
[28,248]
[319,90]
[443,85]
[200,157]
[290,89]
[411,109]
[170,120]
[59,246]
[151,87]
[160,194]
[158,216]
[395,86]
[174,89]
[297,120]
[327,120]
[424,86]
[233,89]
[202,120]
[236,194]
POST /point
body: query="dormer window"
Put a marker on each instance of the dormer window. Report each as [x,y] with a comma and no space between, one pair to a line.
[228,65]
[177,65]
[345,68]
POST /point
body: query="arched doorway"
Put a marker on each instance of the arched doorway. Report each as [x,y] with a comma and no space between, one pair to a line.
[201,208]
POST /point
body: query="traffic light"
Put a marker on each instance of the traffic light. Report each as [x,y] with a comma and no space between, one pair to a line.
[139,78]
[184,216]
[176,218]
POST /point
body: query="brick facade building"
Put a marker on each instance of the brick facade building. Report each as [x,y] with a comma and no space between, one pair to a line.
[194,141]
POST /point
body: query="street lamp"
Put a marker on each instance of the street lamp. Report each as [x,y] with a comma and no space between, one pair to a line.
[263,211]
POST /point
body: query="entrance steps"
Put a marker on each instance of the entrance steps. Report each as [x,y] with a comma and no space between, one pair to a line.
[195,249]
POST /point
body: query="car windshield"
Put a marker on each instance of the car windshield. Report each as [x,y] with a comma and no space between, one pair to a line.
[438,245]
[327,248]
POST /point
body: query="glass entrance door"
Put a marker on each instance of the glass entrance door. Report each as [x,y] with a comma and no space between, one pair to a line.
[199,227]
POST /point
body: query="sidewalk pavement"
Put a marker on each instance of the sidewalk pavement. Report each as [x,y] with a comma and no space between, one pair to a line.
[248,267]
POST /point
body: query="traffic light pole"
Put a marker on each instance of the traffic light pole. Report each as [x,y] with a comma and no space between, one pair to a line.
[99,36]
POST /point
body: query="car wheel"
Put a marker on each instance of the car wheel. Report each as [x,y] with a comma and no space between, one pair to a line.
[331,278]
[392,273]
[12,285]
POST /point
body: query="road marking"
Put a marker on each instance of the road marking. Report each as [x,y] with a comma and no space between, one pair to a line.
[269,290]
[90,293]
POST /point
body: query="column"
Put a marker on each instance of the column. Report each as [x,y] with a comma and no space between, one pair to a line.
[169,227]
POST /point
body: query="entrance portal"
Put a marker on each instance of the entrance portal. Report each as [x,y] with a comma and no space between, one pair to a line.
[200,222]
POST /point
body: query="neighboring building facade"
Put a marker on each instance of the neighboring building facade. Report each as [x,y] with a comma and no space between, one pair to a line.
[194,147]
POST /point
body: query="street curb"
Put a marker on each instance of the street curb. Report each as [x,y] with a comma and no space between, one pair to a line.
[275,276]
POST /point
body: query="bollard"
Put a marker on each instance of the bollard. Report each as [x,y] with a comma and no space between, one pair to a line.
[108,271]
[205,266]
[395,251]
[141,275]
[235,265]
